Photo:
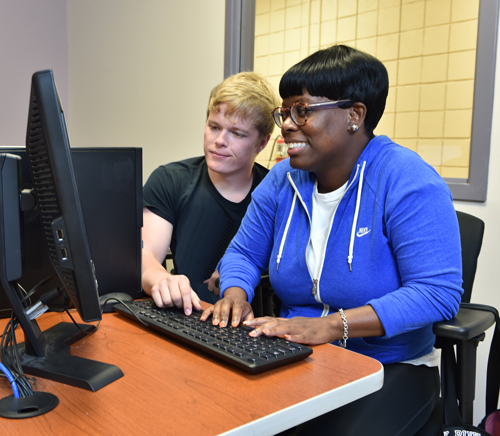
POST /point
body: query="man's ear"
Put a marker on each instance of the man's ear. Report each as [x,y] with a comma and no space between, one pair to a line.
[262,144]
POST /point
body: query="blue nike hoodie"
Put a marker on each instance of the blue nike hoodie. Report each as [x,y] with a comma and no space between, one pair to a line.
[394,244]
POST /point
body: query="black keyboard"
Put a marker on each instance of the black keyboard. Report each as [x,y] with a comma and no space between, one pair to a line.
[231,344]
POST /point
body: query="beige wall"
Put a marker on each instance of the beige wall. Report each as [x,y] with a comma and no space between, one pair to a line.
[32,38]
[428,47]
[140,73]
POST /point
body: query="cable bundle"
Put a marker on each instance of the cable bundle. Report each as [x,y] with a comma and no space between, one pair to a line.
[11,362]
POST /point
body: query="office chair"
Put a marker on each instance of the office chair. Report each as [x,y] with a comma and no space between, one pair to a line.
[271,304]
[465,330]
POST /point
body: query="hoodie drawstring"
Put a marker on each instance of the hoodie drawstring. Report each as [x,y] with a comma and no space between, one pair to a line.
[283,239]
[355,220]
[354,223]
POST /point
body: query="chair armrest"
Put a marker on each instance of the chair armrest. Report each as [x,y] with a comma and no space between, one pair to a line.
[467,324]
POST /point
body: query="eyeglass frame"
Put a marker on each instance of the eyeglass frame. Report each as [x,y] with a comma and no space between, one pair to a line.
[308,108]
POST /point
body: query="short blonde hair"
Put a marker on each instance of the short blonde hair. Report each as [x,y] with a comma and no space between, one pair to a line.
[248,95]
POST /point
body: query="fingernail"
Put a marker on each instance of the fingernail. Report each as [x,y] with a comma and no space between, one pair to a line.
[253,333]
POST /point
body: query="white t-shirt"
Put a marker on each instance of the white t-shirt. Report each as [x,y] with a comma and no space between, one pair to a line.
[323,212]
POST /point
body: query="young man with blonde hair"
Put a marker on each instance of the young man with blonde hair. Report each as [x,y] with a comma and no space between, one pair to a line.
[195,206]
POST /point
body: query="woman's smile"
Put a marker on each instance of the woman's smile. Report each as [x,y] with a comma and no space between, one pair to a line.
[296,146]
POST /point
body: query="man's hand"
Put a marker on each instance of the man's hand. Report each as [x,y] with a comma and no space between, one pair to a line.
[166,289]
[174,290]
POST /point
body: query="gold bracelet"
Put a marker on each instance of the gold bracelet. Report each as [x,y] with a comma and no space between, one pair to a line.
[343,341]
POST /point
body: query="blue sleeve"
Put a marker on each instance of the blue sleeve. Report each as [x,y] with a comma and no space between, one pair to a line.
[422,227]
[247,256]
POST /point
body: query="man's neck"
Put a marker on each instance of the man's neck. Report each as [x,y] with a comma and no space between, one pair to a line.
[233,187]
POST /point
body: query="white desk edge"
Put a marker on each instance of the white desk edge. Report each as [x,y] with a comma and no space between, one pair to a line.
[298,413]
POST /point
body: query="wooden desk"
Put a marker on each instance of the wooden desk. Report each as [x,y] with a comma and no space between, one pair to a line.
[171,389]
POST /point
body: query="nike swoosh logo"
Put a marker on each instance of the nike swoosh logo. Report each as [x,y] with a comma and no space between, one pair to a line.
[362,232]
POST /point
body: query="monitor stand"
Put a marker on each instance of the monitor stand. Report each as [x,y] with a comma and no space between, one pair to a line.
[47,354]
[59,365]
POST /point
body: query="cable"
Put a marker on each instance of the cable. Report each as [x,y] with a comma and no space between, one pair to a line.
[87,331]
[15,389]
[35,288]
[10,359]
[9,355]
[128,308]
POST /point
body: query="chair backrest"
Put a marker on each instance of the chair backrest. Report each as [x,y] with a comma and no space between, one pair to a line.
[471,236]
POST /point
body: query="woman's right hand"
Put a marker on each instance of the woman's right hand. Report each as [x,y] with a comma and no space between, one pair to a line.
[233,304]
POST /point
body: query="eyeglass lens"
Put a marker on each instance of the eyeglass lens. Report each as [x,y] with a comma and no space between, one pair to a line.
[298,113]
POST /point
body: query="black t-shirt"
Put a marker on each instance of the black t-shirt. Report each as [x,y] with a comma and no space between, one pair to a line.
[204,221]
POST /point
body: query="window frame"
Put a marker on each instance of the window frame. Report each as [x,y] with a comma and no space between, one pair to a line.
[239,55]
[475,187]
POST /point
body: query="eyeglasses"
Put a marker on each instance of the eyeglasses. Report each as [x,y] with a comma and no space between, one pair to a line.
[298,111]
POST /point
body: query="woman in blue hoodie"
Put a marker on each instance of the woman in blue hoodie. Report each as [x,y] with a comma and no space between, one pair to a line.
[360,238]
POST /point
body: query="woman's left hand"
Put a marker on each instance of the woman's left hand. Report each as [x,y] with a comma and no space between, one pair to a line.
[302,330]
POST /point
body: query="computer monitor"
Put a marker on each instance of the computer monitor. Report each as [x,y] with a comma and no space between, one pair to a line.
[46,354]
[109,181]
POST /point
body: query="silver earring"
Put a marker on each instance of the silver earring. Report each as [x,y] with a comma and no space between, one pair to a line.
[353,128]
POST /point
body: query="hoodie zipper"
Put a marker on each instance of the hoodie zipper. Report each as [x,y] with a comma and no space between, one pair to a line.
[315,287]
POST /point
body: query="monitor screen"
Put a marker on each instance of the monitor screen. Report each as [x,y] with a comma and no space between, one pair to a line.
[46,354]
